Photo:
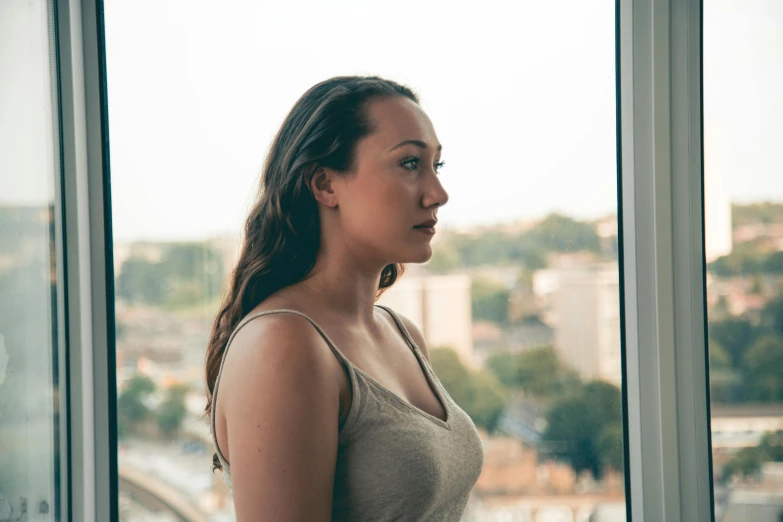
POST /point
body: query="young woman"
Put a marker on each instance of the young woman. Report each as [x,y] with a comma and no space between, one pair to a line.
[328,408]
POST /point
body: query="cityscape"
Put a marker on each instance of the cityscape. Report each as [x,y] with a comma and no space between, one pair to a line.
[523,325]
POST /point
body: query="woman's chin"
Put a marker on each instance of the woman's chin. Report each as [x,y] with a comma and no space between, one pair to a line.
[420,255]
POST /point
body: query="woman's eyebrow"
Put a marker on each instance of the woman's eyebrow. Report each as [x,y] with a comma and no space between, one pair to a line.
[418,143]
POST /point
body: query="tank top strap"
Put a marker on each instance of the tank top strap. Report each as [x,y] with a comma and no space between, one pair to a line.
[239,326]
[401,326]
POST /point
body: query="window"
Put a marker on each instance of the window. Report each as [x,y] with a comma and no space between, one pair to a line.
[520,303]
[33,454]
[743,129]
[176,238]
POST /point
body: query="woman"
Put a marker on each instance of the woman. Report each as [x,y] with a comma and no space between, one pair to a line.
[328,408]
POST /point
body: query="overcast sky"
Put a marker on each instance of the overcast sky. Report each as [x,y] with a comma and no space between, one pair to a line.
[522,95]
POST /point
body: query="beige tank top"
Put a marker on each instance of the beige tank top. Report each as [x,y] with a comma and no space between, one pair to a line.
[394,460]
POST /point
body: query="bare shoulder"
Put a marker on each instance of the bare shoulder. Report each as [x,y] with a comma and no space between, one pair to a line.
[281,350]
[280,402]
[276,340]
[415,333]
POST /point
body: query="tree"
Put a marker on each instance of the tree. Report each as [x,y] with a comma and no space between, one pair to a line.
[762,369]
[140,281]
[772,316]
[611,447]
[774,263]
[445,258]
[572,434]
[451,373]
[489,300]
[745,463]
[187,273]
[193,272]
[605,400]
[556,233]
[488,399]
[131,404]
[537,372]
[172,411]
[585,428]
[771,446]
[725,381]
[766,212]
[735,334]
[561,233]
[478,393]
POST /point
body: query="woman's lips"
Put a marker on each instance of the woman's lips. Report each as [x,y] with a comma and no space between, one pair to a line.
[427,230]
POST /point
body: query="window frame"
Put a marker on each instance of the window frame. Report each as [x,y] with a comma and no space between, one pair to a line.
[660,214]
[88,263]
[661,191]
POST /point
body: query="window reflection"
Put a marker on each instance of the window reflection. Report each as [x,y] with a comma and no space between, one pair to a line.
[30,424]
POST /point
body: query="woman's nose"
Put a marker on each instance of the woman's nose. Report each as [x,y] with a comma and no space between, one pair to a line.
[435,195]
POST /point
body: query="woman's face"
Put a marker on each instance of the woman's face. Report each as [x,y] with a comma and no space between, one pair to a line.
[388,205]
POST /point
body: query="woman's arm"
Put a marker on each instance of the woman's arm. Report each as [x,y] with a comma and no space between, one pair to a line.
[281,403]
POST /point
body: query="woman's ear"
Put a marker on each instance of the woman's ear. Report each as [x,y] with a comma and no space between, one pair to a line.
[322,186]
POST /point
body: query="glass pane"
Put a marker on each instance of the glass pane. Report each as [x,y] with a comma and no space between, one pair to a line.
[520,302]
[743,132]
[30,429]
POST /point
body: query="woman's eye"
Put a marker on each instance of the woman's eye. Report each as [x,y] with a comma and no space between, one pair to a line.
[411,163]
[439,165]
[414,162]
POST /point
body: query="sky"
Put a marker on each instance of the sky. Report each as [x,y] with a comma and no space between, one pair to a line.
[522,96]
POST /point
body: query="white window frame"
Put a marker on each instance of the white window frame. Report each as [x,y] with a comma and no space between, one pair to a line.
[661,200]
[92,495]
[667,390]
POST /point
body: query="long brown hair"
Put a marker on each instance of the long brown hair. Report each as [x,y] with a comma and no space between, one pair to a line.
[282,233]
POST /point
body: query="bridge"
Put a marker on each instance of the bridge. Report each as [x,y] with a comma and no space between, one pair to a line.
[157,495]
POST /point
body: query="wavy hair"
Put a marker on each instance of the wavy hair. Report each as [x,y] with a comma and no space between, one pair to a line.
[282,233]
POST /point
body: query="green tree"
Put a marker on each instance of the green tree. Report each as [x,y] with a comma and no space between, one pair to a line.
[561,233]
[572,434]
[131,404]
[725,380]
[585,428]
[735,334]
[193,272]
[605,400]
[445,258]
[745,258]
[489,300]
[537,372]
[774,263]
[488,399]
[172,411]
[478,393]
[187,273]
[771,446]
[772,316]
[140,281]
[762,369]
[753,213]
[611,447]
[745,463]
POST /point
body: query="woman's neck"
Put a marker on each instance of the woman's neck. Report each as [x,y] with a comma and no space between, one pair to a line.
[346,289]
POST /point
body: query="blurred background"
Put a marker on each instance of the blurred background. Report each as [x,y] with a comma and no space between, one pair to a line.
[521,301]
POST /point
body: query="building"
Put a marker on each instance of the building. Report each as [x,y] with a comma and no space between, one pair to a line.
[587,330]
[440,306]
[718,239]
[736,426]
